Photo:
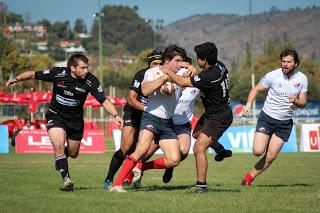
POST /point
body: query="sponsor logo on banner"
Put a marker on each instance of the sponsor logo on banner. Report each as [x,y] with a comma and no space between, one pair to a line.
[240,139]
[314,140]
[310,138]
[38,141]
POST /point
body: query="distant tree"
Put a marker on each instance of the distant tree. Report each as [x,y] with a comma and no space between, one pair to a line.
[121,24]
[80,26]
[46,23]
[61,30]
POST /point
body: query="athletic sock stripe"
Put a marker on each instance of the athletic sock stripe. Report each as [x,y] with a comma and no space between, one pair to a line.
[60,157]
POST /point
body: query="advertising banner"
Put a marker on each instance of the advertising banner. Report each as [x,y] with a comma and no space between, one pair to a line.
[37,141]
[240,139]
[4,146]
[310,138]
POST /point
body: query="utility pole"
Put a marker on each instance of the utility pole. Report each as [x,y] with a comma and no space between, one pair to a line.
[253,81]
[98,15]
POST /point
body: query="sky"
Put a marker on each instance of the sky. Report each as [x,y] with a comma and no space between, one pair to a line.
[168,10]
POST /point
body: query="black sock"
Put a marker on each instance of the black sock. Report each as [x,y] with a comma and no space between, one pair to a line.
[62,165]
[217,147]
[66,152]
[116,162]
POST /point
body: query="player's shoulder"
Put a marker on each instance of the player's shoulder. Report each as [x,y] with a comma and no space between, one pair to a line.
[301,75]
[274,73]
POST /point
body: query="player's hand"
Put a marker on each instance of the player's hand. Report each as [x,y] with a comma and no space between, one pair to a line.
[191,71]
[11,83]
[246,111]
[119,121]
[292,98]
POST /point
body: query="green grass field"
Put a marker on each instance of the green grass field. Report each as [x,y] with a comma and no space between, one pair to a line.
[29,183]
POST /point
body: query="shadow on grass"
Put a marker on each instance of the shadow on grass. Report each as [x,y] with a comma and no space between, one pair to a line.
[285,185]
[81,188]
[186,187]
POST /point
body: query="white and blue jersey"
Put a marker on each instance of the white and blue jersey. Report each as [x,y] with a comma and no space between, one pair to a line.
[160,105]
[277,104]
[184,109]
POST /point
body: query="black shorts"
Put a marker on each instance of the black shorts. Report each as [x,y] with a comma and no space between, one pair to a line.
[215,125]
[270,126]
[161,128]
[132,118]
[182,129]
[73,127]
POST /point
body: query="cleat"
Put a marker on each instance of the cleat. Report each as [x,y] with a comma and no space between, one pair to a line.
[118,188]
[107,184]
[137,175]
[199,189]
[247,180]
[222,155]
[68,184]
[167,176]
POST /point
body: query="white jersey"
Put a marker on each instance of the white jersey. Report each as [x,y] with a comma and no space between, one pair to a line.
[277,104]
[184,110]
[160,105]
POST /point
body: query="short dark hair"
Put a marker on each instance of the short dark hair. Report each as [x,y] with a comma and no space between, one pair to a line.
[187,59]
[207,51]
[172,51]
[75,58]
[154,56]
[292,52]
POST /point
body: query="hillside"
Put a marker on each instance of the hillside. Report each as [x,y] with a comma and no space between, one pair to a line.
[231,32]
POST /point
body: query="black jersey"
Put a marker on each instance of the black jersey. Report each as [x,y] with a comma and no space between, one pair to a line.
[214,84]
[136,86]
[69,94]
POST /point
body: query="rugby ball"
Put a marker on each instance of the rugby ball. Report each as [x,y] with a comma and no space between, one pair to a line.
[167,88]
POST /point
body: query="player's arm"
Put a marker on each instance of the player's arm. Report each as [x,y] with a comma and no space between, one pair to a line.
[181,81]
[148,87]
[21,77]
[110,108]
[132,100]
[252,95]
[299,101]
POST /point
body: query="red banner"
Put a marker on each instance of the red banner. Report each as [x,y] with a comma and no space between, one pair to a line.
[37,141]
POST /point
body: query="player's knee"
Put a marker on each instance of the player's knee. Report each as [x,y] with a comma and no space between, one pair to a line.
[173,162]
[257,152]
[198,148]
[73,154]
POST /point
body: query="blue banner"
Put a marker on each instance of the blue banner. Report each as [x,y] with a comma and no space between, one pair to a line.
[240,139]
[311,110]
[4,146]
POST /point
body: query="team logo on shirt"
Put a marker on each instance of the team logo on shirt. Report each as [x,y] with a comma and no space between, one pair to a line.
[100,88]
[61,84]
[297,85]
[136,84]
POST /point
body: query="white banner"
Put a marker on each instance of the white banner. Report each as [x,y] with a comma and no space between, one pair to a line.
[310,138]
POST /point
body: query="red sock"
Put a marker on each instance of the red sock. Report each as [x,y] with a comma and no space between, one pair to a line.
[126,168]
[155,164]
[129,178]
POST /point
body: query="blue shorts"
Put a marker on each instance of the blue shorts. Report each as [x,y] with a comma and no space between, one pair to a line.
[183,129]
[270,126]
[161,128]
